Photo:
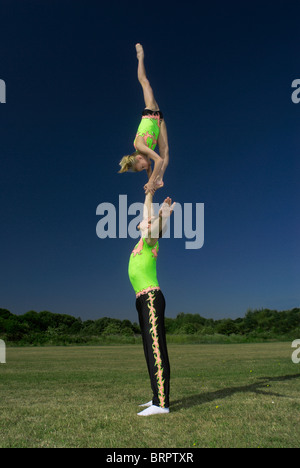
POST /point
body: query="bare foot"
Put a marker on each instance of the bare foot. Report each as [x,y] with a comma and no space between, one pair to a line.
[139,51]
[159,183]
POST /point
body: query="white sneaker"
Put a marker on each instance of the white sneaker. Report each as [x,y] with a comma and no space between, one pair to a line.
[153,410]
[146,404]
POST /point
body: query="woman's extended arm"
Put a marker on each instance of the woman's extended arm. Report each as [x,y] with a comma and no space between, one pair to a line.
[158,162]
[157,226]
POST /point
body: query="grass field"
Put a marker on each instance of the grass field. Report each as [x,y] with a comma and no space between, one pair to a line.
[241,395]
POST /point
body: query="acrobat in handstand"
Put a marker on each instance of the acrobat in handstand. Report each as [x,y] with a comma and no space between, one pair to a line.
[151,131]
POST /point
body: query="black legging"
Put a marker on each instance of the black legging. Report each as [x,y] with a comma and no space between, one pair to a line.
[151,310]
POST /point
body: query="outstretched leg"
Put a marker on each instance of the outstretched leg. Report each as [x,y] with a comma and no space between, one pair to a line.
[150,101]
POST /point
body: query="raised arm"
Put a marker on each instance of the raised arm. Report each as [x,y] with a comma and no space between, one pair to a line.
[159,224]
[148,207]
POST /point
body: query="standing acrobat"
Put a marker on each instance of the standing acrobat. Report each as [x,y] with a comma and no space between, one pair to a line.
[151,131]
[150,304]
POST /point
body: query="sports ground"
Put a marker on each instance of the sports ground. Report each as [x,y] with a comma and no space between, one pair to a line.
[233,395]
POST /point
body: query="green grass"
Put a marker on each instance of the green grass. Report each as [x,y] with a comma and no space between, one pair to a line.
[234,395]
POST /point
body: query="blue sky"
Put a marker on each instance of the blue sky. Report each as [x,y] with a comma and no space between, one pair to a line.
[222,74]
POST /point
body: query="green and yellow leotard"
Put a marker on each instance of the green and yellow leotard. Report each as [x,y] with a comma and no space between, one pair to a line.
[149,127]
[142,267]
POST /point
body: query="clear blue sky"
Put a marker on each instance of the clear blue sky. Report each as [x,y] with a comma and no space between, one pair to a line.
[222,74]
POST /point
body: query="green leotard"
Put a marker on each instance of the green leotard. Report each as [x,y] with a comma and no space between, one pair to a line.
[149,130]
[142,267]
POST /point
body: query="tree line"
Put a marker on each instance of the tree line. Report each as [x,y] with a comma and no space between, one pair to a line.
[45,327]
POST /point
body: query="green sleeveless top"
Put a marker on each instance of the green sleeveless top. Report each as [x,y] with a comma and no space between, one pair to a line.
[142,267]
[149,130]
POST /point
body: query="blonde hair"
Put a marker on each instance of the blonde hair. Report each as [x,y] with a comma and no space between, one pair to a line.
[127,163]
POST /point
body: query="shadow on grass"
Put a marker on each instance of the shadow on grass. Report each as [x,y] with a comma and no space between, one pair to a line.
[258,388]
